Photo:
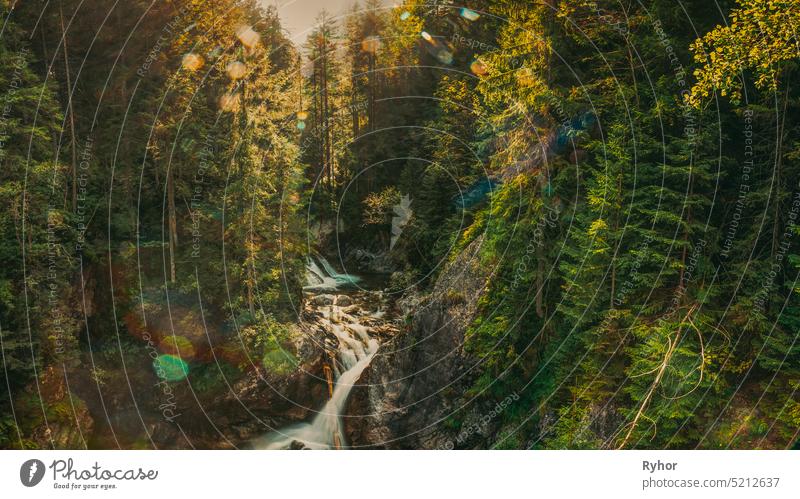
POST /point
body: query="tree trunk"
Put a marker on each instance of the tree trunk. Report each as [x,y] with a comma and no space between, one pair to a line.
[354,115]
[326,141]
[781,122]
[173,224]
[539,282]
[70,112]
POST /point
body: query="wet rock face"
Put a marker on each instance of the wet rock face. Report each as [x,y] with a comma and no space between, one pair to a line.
[365,260]
[343,301]
[420,375]
[298,445]
[323,300]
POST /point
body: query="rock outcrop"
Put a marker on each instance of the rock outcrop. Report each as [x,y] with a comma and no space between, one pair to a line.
[419,377]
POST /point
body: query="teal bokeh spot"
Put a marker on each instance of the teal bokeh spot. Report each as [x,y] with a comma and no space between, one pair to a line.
[170,367]
[470,14]
[445,56]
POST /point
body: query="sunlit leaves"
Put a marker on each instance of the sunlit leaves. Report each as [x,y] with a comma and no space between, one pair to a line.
[760,37]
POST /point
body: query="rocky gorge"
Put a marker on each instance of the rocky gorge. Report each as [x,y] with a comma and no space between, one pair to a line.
[408,371]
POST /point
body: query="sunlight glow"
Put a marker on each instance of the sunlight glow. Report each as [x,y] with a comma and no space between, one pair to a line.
[247,36]
[229,101]
[236,70]
[371,44]
[192,62]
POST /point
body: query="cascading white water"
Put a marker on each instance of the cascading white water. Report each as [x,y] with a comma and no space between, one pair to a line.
[317,280]
[356,350]
[316,274]
[327,266]
[322,277]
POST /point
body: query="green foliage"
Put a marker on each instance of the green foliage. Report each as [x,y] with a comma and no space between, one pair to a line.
[761,37]
[37,318]
[270,341]
[639,237]
[617,324]
[378,206]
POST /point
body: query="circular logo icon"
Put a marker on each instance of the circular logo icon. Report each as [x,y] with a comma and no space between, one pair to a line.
[31,472]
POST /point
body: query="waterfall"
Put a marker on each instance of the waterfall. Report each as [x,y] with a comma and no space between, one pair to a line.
[321,277]
[356,350]
[314,275]
[327,266]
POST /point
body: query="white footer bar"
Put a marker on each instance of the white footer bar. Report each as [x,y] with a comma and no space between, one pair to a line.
[402,474]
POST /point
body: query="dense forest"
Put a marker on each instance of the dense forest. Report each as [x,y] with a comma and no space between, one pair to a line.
[576,221]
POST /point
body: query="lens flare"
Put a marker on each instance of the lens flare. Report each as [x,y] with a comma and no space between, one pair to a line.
[371,44]
[469,14]
[229,101]
[192,62]
[179,346]
[405,15]
[247,36]
[170,367]
[301,125]
[426,36]
[444,56]
[478,67]
[236,70]
[302,116]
